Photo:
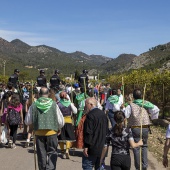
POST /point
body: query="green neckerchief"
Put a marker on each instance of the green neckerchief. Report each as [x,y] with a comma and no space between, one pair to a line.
[65,102]
[80,97]
[113,99]
[126,104]
[147,104]
[44,104]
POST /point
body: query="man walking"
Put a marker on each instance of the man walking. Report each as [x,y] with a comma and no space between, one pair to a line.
[95,129]
[47,122]
[134,112]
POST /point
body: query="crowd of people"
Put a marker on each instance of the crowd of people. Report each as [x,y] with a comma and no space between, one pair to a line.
[79,116]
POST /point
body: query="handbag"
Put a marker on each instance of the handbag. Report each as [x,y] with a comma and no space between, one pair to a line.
[4,135]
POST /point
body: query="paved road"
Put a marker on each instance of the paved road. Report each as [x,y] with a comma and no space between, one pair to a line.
[23,159]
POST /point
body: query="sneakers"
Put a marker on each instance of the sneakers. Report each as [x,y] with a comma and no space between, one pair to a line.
[67,155]
[10,144]
[63,155]
[13,146]
[27,144]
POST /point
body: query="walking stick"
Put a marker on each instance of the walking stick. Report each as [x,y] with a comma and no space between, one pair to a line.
[141,119]
[123,94]
[35,159]
[71,88]
[84,85]
[98,89]
[73,116]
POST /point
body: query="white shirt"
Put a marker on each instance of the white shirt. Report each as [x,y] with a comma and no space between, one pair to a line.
[73,108]
[121,99]
[114,107]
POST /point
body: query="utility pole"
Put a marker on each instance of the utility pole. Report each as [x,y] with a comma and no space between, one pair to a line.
[4,62]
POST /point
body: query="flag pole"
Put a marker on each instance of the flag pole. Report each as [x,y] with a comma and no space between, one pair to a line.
[35,159]
[71,88]
[141,120]
[123,94]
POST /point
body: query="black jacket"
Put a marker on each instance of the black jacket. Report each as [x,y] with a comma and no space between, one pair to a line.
[41,81]
[55,81]
[14,79]
[95,130]
[81,80]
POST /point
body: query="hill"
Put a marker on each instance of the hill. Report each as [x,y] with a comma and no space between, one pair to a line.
[157,57]
[118,64]
[30,59]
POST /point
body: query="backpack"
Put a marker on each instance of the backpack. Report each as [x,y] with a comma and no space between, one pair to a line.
[14,117]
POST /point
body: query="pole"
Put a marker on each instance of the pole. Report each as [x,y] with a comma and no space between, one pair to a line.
[98,89]
[4,62]
[71,88]
[35,159]
[84,85]
[163,99]
[123,92]
[141,120]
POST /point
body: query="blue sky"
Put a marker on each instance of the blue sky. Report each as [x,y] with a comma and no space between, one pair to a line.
[105,27]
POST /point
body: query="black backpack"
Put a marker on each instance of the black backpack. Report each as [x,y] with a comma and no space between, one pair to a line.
[14,117]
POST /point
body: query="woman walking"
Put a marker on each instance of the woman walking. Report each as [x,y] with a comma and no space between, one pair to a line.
[121,139]
[14,118]
[67,132]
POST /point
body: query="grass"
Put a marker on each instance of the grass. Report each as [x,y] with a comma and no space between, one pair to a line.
[156,142]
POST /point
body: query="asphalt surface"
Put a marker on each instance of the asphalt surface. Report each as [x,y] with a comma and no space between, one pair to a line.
[23,159]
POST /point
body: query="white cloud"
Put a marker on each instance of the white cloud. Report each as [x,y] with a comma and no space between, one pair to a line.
[10,35]
[27,37]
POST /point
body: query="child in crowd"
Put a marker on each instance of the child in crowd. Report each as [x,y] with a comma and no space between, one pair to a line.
[121,139]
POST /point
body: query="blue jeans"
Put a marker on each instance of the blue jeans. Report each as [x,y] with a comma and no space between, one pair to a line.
[111,118]
[136,151]
[91,161]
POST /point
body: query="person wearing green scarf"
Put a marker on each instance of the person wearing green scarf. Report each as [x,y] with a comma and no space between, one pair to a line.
[112,105]
[67,135]
[146,104]
[133,112]
[80,103]
[44,104]
[65,102]
[47,121]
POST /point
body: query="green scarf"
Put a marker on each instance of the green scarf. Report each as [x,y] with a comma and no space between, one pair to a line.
[113,99]
[44,104]
[147,104]
[80,97]
[65,102]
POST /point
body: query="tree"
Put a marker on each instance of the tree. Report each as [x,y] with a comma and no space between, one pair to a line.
[77,74]
[23,76]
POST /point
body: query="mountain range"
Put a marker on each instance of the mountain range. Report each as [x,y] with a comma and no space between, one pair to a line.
[19,54]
